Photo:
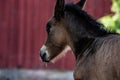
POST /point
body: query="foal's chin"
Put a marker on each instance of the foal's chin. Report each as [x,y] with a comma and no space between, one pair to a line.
[43,59]
[47,60]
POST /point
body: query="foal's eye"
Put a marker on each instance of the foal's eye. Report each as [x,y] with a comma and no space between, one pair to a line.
[48,27]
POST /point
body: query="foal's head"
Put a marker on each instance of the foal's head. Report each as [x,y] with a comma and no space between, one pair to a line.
[57,28]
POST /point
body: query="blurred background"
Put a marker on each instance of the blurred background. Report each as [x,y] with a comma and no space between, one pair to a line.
[22,33]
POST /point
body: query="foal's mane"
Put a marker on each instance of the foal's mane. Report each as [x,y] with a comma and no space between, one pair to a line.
[92,24]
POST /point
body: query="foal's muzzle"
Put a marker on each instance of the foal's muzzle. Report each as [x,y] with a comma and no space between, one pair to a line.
[44,54]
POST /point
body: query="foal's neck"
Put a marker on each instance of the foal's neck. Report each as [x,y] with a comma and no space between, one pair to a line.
[84,45]
[81,46]
[83,34]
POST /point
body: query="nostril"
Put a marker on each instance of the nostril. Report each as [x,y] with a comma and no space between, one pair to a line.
[44,55]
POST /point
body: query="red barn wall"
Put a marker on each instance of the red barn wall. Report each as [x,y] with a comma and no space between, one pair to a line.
[22,32]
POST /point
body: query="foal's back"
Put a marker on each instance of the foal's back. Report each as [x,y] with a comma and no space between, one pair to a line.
[107,58]
[104,64]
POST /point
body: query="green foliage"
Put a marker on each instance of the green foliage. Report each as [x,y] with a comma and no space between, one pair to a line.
[112,21]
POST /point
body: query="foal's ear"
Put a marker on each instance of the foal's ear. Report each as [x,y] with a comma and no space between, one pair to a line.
[81,3]
[59,9]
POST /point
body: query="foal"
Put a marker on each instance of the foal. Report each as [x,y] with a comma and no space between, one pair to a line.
[96,51]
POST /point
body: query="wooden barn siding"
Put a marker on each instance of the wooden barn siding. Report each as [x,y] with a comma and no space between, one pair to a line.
[22,32]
